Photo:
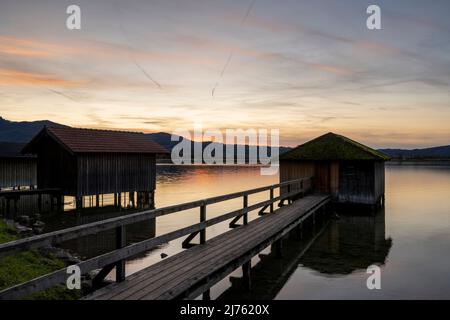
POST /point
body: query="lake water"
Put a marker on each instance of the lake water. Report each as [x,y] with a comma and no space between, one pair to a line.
[409,239]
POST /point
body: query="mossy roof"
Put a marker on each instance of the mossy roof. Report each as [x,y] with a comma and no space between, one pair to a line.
[333,146]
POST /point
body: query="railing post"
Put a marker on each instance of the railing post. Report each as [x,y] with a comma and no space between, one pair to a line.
[202,219]
[120,243]
[271,199]
[245,209]
[288,192]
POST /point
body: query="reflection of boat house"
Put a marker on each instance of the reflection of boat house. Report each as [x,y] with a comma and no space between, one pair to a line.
[350,171]
[349,244]
[87,162]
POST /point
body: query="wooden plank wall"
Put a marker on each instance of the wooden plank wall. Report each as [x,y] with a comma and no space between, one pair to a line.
[293,170]
[379,180]
[322,176]
[109,173]
[334,178]
[347,181]
[357,182]
[17,172]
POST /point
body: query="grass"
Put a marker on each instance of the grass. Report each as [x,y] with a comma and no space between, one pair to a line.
[6,233]
[28,265]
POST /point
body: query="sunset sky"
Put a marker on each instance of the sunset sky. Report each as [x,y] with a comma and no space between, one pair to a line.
[304,67]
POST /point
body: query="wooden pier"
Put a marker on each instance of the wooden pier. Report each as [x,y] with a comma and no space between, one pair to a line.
[191,272]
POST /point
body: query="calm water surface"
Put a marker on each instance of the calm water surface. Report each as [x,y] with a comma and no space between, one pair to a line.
[409,239]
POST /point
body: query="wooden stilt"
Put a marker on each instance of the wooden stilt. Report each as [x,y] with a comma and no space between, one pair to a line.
[299,232]
[16,209]
[79,203]
[206,295]
[271,198]
[59,203]
[131,198]
[202,219]
[246,275]
[120,243]
[39,203]
[152,199]
[279,248]
[245,205]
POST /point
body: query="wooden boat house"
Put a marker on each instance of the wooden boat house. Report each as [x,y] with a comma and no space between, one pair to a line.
[88,162]
[16,170]
[353,173]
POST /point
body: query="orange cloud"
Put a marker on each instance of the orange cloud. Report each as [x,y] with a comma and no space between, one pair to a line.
[31,48]
[332,69]
[377,47]
[10,77]
[41,49]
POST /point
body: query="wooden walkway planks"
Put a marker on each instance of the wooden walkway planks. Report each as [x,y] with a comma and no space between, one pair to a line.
[175,275]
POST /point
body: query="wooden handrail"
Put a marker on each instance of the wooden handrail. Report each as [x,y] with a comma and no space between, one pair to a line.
[63,235]
[125,252]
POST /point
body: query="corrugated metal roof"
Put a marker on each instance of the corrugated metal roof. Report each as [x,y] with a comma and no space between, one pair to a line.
[333,146]
[78,140]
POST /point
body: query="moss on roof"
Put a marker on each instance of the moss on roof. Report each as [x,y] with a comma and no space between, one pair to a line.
[333,146]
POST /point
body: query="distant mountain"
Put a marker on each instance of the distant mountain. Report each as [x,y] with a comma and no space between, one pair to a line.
[19,133]
[22,131]
[442,152]
[164,139]
[13,135]
[11,149]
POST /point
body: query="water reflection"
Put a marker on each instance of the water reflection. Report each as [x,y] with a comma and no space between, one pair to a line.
[414,265]
[351,243]
[335,247]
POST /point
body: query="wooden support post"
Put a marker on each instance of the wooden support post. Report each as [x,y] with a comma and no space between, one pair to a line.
[152,200]
[138,199]
[299,231]
[39,202]
[78,203]
[245,205]
[16,209]
[206,295]
[8,208]
[59,203]
[279,248]
[115,199]
[246,275]
[271,199]
[131,196]
[97,200]
[289,191]
[98,279]
[120,243]
[202,219]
